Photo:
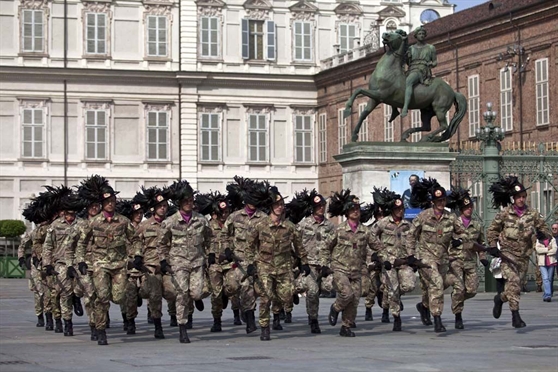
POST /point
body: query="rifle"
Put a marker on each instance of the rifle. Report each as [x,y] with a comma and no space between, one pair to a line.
[418,264]
[494,251]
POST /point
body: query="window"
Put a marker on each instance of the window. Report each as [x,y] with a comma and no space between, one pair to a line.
[258,40]
[541,80]
[391,26]
[33,127]
[210,131]
[96,134]
[322,137]
[303,138]
[363,134]
[302,41]
[341,130]
[209,37]
[506,119]
[347,34]
[32,32]
[96,32]
[157,135]
[474,104]
[415,123]
[388,127]
[157,36]
[257,138]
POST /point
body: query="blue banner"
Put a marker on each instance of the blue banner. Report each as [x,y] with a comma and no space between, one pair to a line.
[399,182]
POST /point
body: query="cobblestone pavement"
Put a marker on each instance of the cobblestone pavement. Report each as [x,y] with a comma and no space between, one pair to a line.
[486,344]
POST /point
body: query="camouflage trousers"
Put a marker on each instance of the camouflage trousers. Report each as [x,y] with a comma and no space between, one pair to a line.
[513,274]
[217,280]
[372,287]
[189,287]
[61,294]
[432,284]
[243,290]
[277,288]
[310,285]
[155,287]
[463,278]
[38,288]
[83,287]
[110,285]
[132,289]
[397,282]
[348,295]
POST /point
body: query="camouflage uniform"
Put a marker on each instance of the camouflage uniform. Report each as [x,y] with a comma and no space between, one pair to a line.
[515,234]
[35,285]
[219,242]
[316,237]
[397,280]
[269,249]
[53,254]
[42,284]
[349,251]
[109,241]
[462,274]
[429,239]
[183,245]
[238,225]
[130,307]
[372,283]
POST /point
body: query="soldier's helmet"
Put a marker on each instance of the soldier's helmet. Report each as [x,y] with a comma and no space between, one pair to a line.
[426,191]
[459,199]
[386,200]
[212,203]
[181,190]
[342,202]
[504,190]
[303,204]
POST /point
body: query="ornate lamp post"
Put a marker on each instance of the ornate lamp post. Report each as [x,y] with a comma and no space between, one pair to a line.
[490,136]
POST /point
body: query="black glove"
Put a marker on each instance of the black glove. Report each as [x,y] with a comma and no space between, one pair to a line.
[49,270]
[456,243]
[229,255]
[493,251]
[82,267]
[387,265]
[72,273]
[211,259]
[35,262]
[165,267]
[376,259]
[22,262]
[138,262]
[251,270]
[326,271]
[306,269]
[411,260]
[484,262]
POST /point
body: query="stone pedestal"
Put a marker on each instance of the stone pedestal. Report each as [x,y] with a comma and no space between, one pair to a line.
[368,164]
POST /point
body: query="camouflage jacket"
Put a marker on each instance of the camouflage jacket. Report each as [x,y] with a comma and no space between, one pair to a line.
[471,234]
[74,238]
[38,237]
[270,245]
[109,241]
[53,247]
[238,225]
[393,237]
[25,246]
[515,233]
[316,238]
[430,237]
[145,241]
[182,244]
[349,250]
[219,241]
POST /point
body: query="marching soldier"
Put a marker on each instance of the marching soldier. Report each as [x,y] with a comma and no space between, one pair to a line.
[513,227]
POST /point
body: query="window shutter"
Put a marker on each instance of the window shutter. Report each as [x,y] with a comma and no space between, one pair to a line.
[245,37]
[271,40]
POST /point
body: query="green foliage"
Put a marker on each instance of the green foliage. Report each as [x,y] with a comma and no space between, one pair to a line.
[12,228]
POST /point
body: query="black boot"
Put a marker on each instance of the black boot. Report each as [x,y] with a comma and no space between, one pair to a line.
[250,321]
[438,326]
[158,328]
[199,305]
[237,320]
[309,320]
[314,326]
[49,324]
[428,318]
[282,314]
[401,307]
[94,336]
[396,323]
[517,322]
[183,338]
[149,317]
[353,325]
[243,317]
[368,316]
[131,330]
[289,317]
[216,325]
[277,323]
[102,337]
[190,323]
[58,326]
[40,321]
[346,332]
[173,322]
[124,322]
[108,320]
[76,302]
[497,309]
[385,316]
[68,328]
[333,316]
[265,334]
[458,321]
[421,310]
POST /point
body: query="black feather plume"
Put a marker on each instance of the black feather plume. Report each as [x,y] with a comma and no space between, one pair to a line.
[502,191]
[340,203]
[236,192]
[457,197]
[420,195]
[91,189]
[367,212]
[258,194]
[124,207]
[300,206]
[385,199]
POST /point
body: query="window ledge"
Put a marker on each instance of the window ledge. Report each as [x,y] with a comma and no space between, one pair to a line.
[303,63]
[543,126]
[257,62]
[209,162]
[258,164]
[102,57]
[33,55]
[157,162]
[96,161]
[210,59]
[157,59]
[304,164]
[33,160]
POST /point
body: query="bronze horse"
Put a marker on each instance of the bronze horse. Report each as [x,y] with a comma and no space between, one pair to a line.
[387,85]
